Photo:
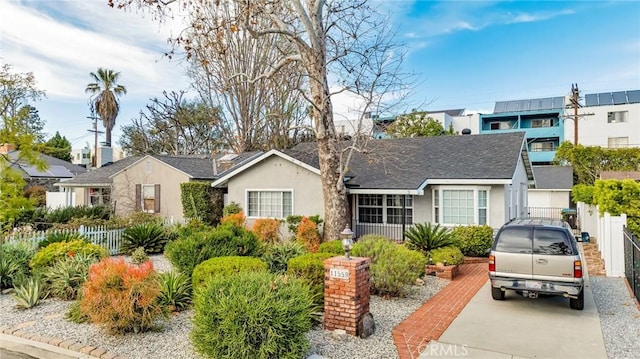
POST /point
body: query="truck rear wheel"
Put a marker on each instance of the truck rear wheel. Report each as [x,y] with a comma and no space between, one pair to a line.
[578,303]
[497,293]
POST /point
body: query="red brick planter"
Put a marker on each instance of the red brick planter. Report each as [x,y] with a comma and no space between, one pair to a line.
[442,271]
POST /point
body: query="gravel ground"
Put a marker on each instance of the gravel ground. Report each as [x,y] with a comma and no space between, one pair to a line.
[172,340]
[619,317]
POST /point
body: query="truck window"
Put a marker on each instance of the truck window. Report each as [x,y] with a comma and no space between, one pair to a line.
[547,241]
[514,240]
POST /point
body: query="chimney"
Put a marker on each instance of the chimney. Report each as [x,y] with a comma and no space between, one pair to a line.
[6,148]
[105,155]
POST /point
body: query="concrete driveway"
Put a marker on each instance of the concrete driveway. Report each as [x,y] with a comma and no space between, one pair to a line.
[521,328]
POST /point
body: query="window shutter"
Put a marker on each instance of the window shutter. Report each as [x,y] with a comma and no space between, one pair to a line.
[156,200]
[138,204]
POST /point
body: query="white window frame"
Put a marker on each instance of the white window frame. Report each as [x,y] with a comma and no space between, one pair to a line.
[142,197]
[617,116]
[259,190]
[618,142]
[384,208]
[439,207]
[542,149]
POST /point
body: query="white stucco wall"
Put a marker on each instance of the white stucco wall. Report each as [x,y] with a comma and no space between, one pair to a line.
[516,193]
[276,173]
[549,198]
[595,130]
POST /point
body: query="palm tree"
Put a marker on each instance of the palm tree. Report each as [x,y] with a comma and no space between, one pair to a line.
[105,92]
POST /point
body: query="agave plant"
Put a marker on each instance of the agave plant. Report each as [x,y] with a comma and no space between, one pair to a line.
[175,290]
[29,294]
[149,235]
[66,277]
[425,237]
[278,255]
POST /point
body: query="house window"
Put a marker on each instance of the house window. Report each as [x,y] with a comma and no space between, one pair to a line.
[500,125]
[98,196]
[542,146]
[395,208]
[270,204]
[547,122]
[617,142]
[370,208]
[148,198]
[455,206]
[617,116]
[379,208]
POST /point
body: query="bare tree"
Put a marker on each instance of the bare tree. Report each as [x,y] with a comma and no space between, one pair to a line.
[173,125]
[319,37]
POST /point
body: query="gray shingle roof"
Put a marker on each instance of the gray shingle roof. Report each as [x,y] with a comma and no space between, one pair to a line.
[53,162]
[553,177]
[101,176]
[407,162]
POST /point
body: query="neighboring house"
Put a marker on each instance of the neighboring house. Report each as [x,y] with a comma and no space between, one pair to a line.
[612,120]
[148,183]
[450,180]
[541,119]
[553,187]
[57,169]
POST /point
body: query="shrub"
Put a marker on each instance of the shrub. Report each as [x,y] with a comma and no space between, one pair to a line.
[55,237]
[14,263]
[333,247]
[278,255]
[29,294]
[226,240]
[139,256]
[231,208]
[65,277]
[267,230]
[310,268]
[473,240]
[150,236]
[65,214]
[225,266]
[425,237]
[60,250]
[198,201]
[122,297]
[236,219]
[308,234]
[252,315]
[74,313]
[293,221]
[175,291]
[393,267]
[449,255]
[38,194]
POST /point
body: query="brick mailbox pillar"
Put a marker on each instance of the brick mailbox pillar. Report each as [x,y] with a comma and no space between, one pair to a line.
[346,293]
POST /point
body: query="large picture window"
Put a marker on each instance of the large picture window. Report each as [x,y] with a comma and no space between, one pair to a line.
[99,196]
[270,204]
[379,208]
[460,206]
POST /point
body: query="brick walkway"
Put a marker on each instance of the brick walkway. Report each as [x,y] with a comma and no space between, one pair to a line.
[434,317]
[595,264]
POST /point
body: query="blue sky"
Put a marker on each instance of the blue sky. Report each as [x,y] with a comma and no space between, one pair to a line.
[467,54]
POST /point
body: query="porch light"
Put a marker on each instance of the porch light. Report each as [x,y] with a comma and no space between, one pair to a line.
[347,240]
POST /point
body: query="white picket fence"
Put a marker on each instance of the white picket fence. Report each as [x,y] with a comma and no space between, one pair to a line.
[107,238]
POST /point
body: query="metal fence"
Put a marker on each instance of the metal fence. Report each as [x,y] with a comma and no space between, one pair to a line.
[391,231]
[632,261]
[546,212]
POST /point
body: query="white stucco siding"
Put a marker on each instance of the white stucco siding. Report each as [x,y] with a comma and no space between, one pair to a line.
[549,198]
[517,201]
[422,207]
[497,208]
[595,130]
[276,173]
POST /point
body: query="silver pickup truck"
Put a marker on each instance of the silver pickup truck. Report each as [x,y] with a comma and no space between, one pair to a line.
[537,256]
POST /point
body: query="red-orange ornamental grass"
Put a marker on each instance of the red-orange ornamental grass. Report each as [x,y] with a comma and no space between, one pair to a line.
[122,297]
[267,229]
[237,219]
[308,234]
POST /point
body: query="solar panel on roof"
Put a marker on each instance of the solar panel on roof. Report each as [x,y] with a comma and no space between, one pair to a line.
[591,99]
[633,96]
[60,172]
[605,99]
[546,104]
[619,97]
[32,171]
[499,107]
[558,102]
[512,106]
[524,105]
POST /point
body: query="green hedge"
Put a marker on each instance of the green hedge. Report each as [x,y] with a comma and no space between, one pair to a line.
[310,268]
[333,247]
[225,266]
[201,201]
[473,241]
[252,315]
[447,255]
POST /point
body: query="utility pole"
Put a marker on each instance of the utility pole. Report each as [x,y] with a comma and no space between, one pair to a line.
[575,97]
[94,159]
